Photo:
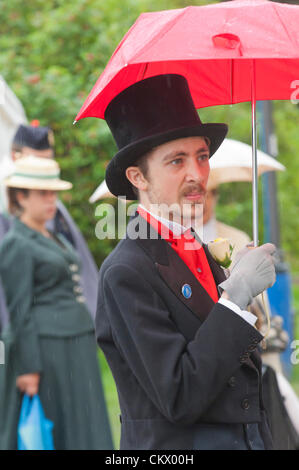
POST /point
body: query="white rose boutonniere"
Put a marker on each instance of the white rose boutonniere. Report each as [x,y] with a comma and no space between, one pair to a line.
[221,250]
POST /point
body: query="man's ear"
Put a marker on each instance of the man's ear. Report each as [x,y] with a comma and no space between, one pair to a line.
[136,178]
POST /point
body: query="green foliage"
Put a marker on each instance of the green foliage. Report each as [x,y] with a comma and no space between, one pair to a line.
[52,54]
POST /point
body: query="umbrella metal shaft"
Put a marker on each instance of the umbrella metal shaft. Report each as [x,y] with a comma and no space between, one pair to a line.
[255,220]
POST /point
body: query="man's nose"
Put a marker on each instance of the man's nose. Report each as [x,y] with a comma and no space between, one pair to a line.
[194,171]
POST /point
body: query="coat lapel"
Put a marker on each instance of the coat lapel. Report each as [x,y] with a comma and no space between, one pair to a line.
[217,271]
[176,274]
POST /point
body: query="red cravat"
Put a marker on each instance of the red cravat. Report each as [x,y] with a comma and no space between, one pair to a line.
[189,250]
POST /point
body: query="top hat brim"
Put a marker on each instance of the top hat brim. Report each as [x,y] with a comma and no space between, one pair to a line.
[116,179]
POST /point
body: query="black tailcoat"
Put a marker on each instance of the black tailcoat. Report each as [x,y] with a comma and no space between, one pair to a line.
[186,370]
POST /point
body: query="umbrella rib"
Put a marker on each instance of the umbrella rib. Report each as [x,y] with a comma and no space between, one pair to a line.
[160,33]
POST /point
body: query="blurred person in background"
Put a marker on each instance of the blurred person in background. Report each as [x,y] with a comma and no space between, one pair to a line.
[39,141]
[51,344]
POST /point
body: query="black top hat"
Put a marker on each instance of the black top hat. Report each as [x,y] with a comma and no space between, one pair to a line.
[38,138]
[147,114]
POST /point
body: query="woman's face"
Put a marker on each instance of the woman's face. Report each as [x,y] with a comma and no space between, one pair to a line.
[39,205]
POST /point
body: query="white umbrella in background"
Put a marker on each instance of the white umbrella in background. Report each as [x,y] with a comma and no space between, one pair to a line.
[100,193]
[233,162]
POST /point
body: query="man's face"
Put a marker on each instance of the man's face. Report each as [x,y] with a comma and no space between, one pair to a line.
[26,151]
[177,174]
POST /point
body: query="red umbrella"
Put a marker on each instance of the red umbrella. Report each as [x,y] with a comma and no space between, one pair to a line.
[229,52]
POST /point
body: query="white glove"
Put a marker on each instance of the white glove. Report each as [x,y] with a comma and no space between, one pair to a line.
[252,273]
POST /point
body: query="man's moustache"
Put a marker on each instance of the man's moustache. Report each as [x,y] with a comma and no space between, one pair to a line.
[194,190]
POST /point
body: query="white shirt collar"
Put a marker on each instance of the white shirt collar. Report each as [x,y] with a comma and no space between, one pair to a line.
[176,229]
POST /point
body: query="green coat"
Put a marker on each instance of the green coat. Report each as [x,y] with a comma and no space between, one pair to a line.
[50,332]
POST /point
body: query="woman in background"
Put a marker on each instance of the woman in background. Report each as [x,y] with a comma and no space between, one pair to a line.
[50,336]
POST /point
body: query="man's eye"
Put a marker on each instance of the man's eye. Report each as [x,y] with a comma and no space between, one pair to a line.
[176,161]
[203,157]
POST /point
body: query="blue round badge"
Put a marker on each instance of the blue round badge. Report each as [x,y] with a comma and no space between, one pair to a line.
[186,291]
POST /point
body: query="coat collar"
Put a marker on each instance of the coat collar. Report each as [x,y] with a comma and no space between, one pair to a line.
[20,228]
[158,249]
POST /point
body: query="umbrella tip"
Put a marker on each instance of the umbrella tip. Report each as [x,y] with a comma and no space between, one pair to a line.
[74,122]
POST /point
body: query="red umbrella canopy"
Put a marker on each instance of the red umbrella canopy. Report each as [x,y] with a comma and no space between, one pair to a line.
[222,49]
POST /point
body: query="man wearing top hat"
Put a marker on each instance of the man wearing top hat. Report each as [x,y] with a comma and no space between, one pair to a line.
[181,346]
[38,141]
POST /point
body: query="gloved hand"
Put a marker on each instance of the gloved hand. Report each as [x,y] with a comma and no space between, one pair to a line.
[251,274]
[241,253]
